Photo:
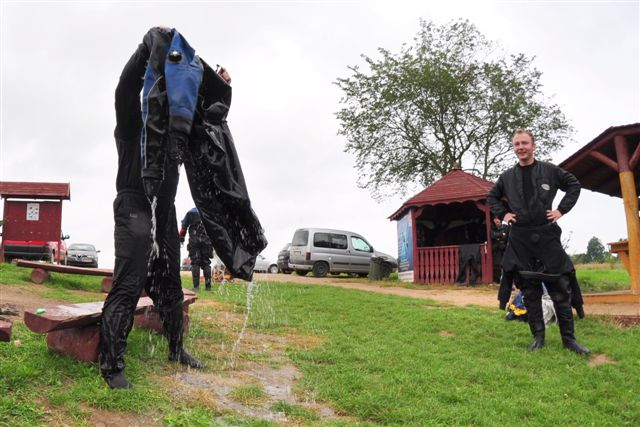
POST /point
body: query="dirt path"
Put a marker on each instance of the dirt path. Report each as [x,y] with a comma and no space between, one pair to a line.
[484,296]
[15,299]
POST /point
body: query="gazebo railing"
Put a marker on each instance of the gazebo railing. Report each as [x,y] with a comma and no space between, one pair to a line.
[440,264]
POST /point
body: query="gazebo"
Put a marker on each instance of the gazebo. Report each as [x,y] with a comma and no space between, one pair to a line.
[610,164]
[435,223]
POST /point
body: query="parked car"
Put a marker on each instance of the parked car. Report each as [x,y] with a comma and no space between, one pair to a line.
[283,259]
[50,251]
[266,265]
[82,255]
[324,251]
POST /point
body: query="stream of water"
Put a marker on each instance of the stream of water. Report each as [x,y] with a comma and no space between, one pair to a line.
[251,286]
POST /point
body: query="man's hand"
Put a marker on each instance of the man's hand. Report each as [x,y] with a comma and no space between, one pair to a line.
[509,218]
[222,72]
[554,216]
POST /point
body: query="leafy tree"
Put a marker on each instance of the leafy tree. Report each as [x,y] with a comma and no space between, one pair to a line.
[451,98]
[595,250]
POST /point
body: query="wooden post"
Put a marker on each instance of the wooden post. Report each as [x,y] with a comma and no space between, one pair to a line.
[630,197]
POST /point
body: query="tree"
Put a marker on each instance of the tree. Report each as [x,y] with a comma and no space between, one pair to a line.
[448,99]
[595,250]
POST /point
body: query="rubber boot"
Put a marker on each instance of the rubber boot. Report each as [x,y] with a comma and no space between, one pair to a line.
[568,336]
[195,274]
[117,380]
[538,330]
[564,314]
[207,277]
[172,323]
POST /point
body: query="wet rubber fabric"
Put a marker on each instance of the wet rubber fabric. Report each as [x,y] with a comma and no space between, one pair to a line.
[213,168]
[134,268]
[133,273]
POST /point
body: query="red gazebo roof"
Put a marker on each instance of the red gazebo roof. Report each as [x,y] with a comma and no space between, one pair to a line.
[35,190]
[591,172]
[455,187]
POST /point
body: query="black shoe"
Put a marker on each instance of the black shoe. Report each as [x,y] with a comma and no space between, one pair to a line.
[195,288]
[537,344]
[117,380]
[186,359]
[502,305]
[576,347]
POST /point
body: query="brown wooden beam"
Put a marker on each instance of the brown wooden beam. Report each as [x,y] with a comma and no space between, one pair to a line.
[64,268]
[630,197]
[604,159]
[635,157]
[622,153]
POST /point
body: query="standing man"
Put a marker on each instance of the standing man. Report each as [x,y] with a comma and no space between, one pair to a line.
[199,247]
[144,260]
[534,241]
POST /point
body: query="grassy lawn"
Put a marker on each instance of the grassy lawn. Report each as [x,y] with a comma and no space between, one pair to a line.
[378,360]
[602,277]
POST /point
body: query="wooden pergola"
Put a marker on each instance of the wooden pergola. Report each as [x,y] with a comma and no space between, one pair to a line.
[610,164]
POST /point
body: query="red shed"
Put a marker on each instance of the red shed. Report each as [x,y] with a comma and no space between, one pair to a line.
[435,223]
[31,226]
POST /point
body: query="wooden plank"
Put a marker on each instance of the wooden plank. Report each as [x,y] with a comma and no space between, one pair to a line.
[5,330]
[64,268]
[79,315]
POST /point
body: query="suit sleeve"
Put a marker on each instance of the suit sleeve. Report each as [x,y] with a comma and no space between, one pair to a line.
[128,116]
[571,186]
[494,198]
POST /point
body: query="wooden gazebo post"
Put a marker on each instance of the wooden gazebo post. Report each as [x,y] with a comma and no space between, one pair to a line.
[630,198]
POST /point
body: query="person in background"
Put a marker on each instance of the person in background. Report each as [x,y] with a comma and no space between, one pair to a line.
[499,239]
[534,240]
[199,247]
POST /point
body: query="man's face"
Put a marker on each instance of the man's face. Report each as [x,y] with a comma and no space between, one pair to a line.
[524,148]
[497,221]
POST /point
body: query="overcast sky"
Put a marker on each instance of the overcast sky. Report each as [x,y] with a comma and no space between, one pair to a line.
[61,61]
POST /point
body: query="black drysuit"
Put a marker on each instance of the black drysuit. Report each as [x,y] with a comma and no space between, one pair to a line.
[199,247]
[182,117]
[132,235]
[534,243]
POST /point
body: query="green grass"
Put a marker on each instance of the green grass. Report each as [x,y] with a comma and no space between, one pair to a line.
[249,394]
[602,278]
[395,361]
[378,360]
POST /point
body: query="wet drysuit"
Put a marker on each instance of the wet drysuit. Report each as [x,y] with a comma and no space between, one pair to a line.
[134,270]
[205,145]
[199,247]
[183,108]
[534,243]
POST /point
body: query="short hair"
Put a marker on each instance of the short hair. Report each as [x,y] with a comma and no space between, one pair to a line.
[528,132]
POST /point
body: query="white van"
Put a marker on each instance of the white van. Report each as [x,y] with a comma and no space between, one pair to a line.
[323,251]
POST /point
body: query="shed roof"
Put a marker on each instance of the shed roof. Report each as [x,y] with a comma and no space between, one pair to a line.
[456,186]
[35,190]
[592,173]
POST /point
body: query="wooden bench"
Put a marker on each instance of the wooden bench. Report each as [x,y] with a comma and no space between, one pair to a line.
[5,330]
[622,249]
[41,270]
[73,330]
